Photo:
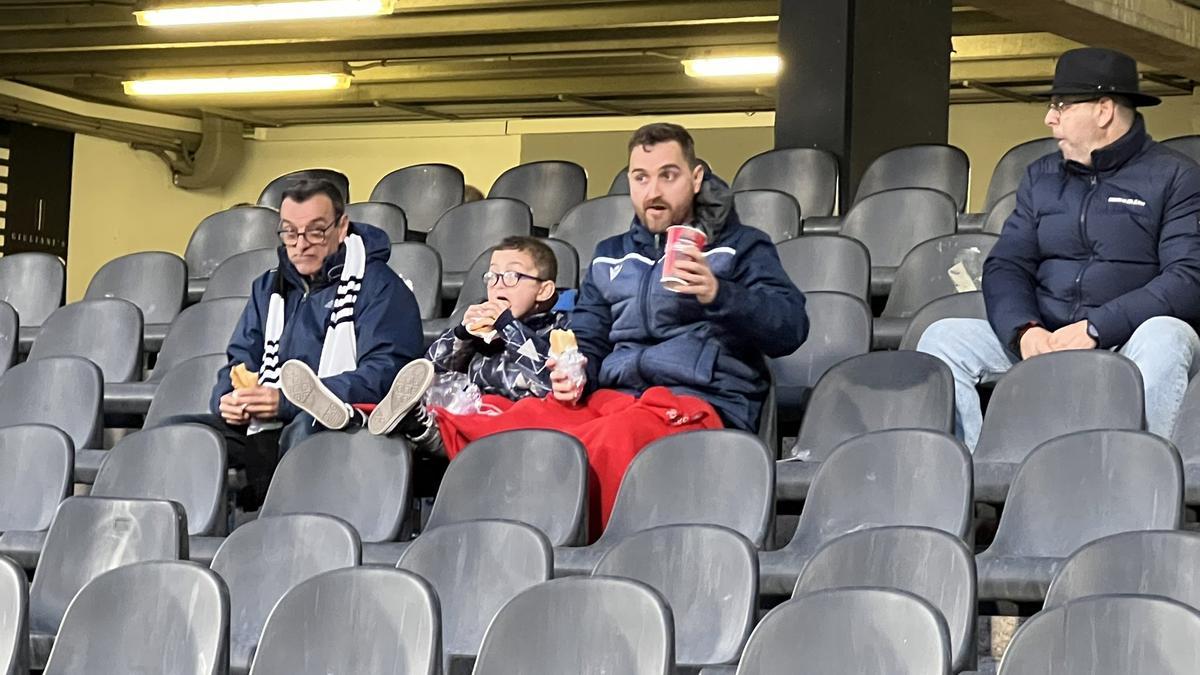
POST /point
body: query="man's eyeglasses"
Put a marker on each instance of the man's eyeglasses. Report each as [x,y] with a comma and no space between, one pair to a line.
[1060,104]
[314,237]
[510,278]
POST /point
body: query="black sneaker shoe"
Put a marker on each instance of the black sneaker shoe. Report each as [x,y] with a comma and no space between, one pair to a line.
[405,394]
[303,388]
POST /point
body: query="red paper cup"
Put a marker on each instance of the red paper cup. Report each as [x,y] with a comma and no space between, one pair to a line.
[679,236]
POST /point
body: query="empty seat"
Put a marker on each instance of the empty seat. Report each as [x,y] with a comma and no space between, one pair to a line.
[931,564]
[272,194]
[719,477]
[154,281]
[850,631]
[383,215]
[475,568]
[424,191]
[1151,562]
[473,292]
[875,480]
[265,558]
[354,620]
[1048,396]
[931,270]
[1011,168]
[827,262]
[550,188]
[620,183]
[591,222]
[107,332]
[583,626]
[1107,635]
[999,213]
[892,223]
[64,392]
[872,392]
[463,232]
[90,536]
[186,390]
[944,168]
[9,336]
[151,617]
[223,235]
[14,619]
[708,576]
[567,261]
[808,174]
[420,265]
[33,283]
[234,278]
[1186,437]
[1072,490]
[774,212]
[957,306]
[35,476]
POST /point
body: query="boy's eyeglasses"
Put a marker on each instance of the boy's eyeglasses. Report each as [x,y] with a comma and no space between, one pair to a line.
[510,278]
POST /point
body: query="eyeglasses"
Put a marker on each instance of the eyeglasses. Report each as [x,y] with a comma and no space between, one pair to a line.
[314,237]
[1058,104]
[510,278]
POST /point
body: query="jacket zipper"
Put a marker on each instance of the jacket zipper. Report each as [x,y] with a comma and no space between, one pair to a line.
[1084,238]
[644,296]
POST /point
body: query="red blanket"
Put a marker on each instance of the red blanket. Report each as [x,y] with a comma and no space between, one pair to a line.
[613,427]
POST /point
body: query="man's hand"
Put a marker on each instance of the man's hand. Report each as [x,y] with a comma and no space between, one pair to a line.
[257,402]
[483,316]
[233,410]
[561,385]
[692,268]
[1035,341]
[1073,336]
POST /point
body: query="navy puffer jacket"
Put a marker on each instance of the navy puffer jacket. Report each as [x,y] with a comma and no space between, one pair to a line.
[1115,243]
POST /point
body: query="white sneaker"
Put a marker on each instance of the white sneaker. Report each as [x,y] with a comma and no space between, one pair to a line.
[407,389]
[305,390]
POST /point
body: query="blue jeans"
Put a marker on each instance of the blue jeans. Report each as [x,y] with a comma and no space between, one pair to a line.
[1163,348]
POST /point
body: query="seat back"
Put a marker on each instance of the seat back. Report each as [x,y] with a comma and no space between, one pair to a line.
[839,328]
[107,332]
[719,477]
[354,620]
[550,188]
[1186,435]
[421,265]
[234,278]
[999,213]
[360,478]
[465,231]
[423,191]
[892,632]
[181,463]
[1107,635]
[774,212]
[533,476]
[591,222]
[36,463]
[567,260]
[808,174]
[709,578]
[1012,165]
[620,183]
[153,280]
[944,168]
[65,392]
[474,291]
[265,558]
[1058,393]
[1147,562]
[203,328]
[883,478]
[584,625]
[33,284]
[14,619]
[185,390]
[827,262]
[957,306]
[9,329]
[876,391]
[937,268]
[475,568]
[383,215]
[931,564]
[227,233]
[272,194]
[893,222]
[91,535]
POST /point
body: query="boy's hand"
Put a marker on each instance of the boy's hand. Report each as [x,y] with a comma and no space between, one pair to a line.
[481,317]
[692,268]
[561,385]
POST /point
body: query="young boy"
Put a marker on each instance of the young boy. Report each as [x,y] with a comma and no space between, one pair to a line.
[501,345]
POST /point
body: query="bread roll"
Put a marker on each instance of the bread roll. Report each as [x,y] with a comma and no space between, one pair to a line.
[562,341]
[242,378]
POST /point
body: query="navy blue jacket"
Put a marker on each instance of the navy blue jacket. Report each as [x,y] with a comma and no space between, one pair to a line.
[637,334]
[1115,243]
[386,321]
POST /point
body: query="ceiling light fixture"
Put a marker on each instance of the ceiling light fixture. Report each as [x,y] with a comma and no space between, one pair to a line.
[733,66]
[185,15]
[264,84]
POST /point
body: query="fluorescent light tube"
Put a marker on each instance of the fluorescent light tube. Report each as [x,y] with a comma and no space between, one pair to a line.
[265,84]
[261,11]
[733,66]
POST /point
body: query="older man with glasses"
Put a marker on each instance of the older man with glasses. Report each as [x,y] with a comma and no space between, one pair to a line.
[1101,252]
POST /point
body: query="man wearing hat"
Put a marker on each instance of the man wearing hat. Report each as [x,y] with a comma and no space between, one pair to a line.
[1102,250]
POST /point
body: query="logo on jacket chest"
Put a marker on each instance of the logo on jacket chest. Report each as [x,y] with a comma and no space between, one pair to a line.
[1128,201]
[614,271]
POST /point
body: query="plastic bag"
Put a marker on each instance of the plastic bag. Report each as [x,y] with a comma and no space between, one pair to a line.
[455,392]
[572,363]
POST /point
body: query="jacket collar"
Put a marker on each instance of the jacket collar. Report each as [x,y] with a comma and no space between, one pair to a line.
[1114,155]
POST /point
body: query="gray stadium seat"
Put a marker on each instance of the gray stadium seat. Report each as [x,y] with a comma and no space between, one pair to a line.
[353,620]
[35,476]
[64,392]
[14,619]
[957,306]
[475,568]
[150,617]
[999,213]
[33,283]
[1186,438]
[720,477]
[264,559]
[827,262]
[550,188]
[583,626]
[185,390]
[9,336]
[424,191]
[1011,168]
[1188,144]
[90,536]
[422,265]
[931,564]
[875,480]
[892,223]
[872,392]
[360,478]
[620,183]
[944,168]
[473,291]
[567,260]
[1048,396]
[850,631]
[1107,635]
[590,223]
[924,276]
[107,332]
[1072,490]
[154,281]
[223,235]
[272,194]
[708,576]
[1149,562]
[235,277]
[808,174]
[183,463]
[463,232]
[383,215]
[774,212]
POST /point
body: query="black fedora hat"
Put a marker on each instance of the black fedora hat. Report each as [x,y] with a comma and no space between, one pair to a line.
[1098,72]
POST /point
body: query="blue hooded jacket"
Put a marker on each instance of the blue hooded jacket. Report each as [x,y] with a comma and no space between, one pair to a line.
[637,334]
[386,321]
[1115,243]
